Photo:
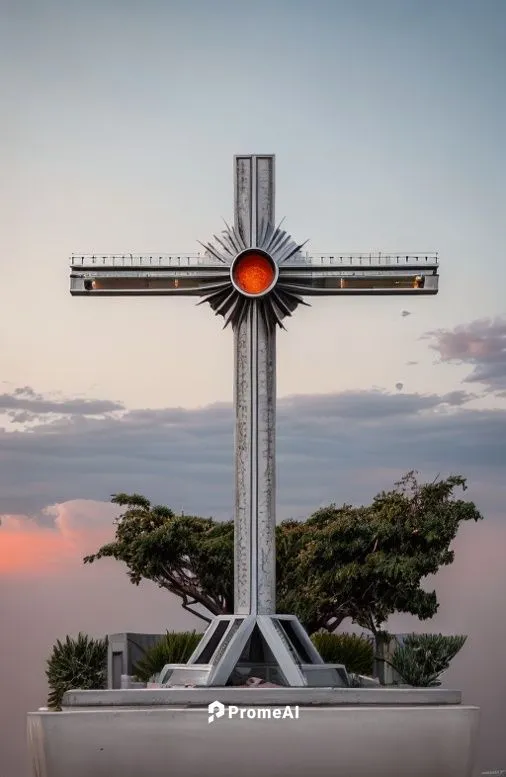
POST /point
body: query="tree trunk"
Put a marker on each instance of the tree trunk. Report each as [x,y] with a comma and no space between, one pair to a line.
[383,669]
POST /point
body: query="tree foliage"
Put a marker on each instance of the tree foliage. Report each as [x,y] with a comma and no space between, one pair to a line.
[362,563]
[190,556]
[365,563]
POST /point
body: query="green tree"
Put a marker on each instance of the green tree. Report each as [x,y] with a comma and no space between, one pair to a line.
[366,563]
[190,556]
[362,563]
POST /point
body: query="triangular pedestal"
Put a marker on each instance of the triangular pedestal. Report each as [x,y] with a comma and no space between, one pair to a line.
[275,648]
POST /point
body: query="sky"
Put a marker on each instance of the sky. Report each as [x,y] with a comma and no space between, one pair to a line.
[120,123]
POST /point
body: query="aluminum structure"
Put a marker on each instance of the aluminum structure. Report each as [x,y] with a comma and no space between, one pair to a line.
[254,275]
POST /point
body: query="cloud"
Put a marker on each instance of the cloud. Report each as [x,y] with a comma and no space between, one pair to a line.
[481,345]
[327,445]
[24,405]
[29,547]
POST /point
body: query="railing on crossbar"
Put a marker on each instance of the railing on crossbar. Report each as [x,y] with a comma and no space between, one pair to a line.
[191,260]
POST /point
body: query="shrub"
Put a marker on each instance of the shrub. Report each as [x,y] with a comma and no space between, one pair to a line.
[354,651]
[422,658]
[175,647]
[76,664]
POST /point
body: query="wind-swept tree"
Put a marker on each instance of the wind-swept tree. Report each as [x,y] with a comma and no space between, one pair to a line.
[190,556]
[363,563]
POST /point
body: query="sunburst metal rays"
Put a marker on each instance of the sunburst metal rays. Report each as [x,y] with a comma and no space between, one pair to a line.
[229,245]
[228,302]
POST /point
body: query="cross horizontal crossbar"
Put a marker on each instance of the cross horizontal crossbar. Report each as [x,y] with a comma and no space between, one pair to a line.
[304,274]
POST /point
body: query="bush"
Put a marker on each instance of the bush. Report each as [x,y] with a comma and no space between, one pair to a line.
[422,658]
[354,651]
[175,647]
[76,664]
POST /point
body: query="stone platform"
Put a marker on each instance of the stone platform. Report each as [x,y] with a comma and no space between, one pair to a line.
[339,732]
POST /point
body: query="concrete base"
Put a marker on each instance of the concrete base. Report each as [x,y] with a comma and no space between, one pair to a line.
[338,733]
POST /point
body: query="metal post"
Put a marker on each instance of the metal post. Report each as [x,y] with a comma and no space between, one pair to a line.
[255,411]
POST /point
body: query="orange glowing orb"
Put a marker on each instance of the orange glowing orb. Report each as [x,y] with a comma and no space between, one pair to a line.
[254,273]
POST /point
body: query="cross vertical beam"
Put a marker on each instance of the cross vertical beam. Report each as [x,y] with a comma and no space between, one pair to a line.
[255,410]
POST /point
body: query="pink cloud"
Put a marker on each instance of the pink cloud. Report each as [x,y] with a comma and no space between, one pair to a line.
[78,527]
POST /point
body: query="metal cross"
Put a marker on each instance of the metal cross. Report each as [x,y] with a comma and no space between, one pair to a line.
[254,275]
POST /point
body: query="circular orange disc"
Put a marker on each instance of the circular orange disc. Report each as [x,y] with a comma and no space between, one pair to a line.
[253,273]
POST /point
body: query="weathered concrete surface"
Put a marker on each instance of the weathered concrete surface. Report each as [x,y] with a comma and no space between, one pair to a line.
[201,697]
[341,733]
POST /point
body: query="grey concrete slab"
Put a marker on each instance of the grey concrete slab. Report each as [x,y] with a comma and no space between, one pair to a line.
[201,697]
[324,741]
